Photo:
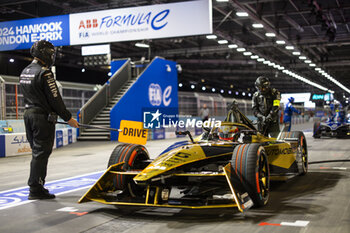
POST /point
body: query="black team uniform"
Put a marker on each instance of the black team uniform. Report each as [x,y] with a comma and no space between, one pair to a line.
[266,103]
[41,97]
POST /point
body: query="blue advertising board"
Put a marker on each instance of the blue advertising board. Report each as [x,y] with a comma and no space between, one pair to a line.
[2,146]
[21,34]
[59,138]
[155,89]
[70,136]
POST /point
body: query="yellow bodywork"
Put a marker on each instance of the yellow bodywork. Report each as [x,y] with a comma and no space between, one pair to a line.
[105,184]
[172,159]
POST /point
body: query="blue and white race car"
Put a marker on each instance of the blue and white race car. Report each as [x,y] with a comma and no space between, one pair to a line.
[332,129]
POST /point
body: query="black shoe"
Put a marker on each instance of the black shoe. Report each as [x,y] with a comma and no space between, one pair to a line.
[43,194]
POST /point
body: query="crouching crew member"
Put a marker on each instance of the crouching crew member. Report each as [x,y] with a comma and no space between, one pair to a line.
[266,101]
[43,102]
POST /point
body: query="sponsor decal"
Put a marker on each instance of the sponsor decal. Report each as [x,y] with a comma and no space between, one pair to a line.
[279,151]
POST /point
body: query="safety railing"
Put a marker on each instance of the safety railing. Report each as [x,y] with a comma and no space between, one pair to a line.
[95,104]
[101,99]
[119,78]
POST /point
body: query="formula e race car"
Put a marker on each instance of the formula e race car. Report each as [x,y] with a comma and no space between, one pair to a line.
[331,129]
[226,166]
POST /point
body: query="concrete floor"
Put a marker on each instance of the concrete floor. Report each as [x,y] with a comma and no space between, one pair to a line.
[320,200]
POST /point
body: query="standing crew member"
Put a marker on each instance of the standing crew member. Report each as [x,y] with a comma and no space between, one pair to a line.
[266,102]
[42,102]
[204,113]
[288,113]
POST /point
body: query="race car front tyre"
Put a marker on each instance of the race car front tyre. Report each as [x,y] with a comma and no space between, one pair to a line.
[317,131]
[134,157]
[249,161]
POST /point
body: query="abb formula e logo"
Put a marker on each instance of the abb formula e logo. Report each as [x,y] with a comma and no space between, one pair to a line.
[89,23]
[156,96]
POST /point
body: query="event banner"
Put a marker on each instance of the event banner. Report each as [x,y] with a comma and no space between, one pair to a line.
[122,24]
[21,34]
[138,23]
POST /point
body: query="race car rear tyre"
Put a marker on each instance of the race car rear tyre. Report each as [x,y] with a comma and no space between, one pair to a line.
[249,161]
[301,148]
[317,133]
[132,155]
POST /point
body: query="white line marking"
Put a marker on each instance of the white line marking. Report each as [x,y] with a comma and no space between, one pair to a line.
[297,223]
[339,168]
[47,183]
[68,209]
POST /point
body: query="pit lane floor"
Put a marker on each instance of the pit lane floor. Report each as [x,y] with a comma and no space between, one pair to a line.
[318,202]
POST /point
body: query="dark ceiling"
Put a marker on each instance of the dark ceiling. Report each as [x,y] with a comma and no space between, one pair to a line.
[318,29]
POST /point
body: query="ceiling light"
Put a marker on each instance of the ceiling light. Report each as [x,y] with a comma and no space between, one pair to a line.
[193,86]
[180,85]
[109,74]
[261,59]
[312,65]
[222,41]
[232,46]
[257,25]
[211,37]
[317,69]
[289,47]
[83,70]
[141,45]
[280,42]
[247,53]
[222,91]
[203,88]
[281,68]
[266,62]
[254,57]
[296,53]
[12,60]
[243,93]
[230,92]
[302,57]
[213,89]
[270,34]
[242,14]
[307,61]
[222,0]
[240,49]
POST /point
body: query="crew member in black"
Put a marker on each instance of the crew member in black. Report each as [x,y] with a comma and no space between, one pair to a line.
[41,99]
[266,101]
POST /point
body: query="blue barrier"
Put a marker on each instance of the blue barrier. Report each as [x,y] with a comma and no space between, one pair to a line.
[155,88]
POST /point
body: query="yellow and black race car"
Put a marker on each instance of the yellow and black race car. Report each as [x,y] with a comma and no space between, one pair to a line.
[227,166]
